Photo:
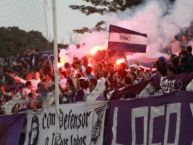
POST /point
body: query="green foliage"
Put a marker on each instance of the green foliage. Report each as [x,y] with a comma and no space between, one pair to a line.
[101,6]
[13,41]
[88,10]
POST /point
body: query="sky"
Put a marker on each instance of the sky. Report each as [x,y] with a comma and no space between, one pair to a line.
[37,15]
[159,19]
[69,19]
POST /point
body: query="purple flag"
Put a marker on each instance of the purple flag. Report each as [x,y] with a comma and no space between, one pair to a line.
[126,40]
[10,129]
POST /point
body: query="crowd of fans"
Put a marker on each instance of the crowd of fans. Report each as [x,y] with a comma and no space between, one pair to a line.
[27,81]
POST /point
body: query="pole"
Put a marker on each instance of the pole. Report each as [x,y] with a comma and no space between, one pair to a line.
[45,4]
[57,141]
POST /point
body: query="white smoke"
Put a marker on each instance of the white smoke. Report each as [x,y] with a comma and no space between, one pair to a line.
[87,42]
[159,19]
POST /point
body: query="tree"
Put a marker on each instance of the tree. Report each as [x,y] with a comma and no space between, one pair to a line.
[100,7]
[36,40]
[14,40]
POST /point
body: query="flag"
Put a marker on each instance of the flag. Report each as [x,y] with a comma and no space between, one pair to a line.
[10,129]
[126,40]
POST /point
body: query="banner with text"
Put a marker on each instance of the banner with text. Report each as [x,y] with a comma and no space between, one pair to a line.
[121,39]
[80,124]
[162,120]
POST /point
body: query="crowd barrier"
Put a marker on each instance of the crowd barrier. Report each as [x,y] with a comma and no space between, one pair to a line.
[157,120]
[161,120]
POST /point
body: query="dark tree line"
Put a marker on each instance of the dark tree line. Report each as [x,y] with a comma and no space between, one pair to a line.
[14,40]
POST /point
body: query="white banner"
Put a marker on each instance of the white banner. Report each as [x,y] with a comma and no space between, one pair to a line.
[127,38]
[80,124]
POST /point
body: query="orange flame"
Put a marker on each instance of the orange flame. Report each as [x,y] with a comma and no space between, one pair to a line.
[61,63]
[119,61]
[89,62]
[95,49]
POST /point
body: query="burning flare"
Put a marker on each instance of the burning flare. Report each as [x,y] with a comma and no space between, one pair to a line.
[95,49]
[119,61]
[61,63]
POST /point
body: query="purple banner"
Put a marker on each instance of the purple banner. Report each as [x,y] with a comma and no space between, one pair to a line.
[158,120]
[10,129]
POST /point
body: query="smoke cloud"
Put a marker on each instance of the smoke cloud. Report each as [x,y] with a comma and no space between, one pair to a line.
[88,42]
[161,20]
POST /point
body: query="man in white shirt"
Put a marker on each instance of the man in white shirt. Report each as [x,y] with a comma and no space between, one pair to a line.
[27,90]
[35,81]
